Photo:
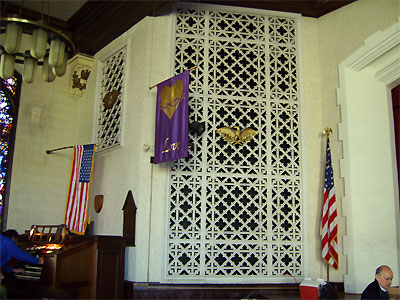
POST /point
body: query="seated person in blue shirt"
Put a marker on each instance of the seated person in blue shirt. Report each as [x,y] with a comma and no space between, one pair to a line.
[378,289]
[9,249]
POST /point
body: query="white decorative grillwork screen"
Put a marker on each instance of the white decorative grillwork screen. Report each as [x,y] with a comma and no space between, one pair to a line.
[235,211]
[110,116]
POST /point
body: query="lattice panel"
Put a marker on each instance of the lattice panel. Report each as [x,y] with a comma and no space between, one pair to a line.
[233,209]
[236,68]
[286,210]
[285,139]
[190,22]
[109,120]
[237,26]
[283,72]
[239,205]
[184,259]
[185,208]
[225,157]
[287,259]
[189,54]
[236,259]
[282,31]
[193,161]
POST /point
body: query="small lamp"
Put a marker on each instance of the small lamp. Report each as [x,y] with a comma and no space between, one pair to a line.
[60,71]
[47,72]
[39,43]
[57,51]
[13,37]
[7,65]
[197,127]
[30,63]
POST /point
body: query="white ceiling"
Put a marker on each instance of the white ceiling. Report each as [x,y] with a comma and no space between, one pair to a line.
[59,9]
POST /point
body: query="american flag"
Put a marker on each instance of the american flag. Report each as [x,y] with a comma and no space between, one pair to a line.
[79,187]
[329,228]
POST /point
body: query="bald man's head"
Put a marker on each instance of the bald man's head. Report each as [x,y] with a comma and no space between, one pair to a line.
[384,276]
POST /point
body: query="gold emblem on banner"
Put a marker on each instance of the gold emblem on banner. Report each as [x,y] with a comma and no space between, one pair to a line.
[171,97]
[234,135]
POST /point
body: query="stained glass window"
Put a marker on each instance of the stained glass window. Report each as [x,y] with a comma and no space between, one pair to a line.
[8,119]
[10,84]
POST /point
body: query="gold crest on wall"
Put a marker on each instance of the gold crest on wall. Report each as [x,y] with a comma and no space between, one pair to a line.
[234,135]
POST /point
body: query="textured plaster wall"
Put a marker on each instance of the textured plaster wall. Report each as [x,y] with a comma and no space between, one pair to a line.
[313,145]
[48,118]
[128,167]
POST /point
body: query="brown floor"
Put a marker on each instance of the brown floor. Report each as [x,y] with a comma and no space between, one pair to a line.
[349,296]
[232,295]
[221,293]
[177,292]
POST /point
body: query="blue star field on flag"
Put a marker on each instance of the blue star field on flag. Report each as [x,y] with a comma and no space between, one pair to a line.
[86,165]
[328,169]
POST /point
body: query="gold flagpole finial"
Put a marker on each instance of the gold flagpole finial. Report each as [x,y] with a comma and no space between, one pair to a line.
[327,131]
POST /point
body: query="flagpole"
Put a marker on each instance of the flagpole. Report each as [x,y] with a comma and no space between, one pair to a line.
[57,149]
[327,272]
[62,148]
[327,131]
[150,208]
[153,86]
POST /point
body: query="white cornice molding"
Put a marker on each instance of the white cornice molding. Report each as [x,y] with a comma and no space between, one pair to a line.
[389,73]
[374,47]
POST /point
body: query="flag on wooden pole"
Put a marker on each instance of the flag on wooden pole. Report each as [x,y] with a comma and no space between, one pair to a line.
[79,188]
[329,228]
[172,119]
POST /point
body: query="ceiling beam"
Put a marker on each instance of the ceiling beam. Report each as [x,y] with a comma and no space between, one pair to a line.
[98,23]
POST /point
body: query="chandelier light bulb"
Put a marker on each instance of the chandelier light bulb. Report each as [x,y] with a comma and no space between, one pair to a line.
[57,51]
[60,71]
[13,37]
[7,65]
[29,72]
[47,72]
[39,43]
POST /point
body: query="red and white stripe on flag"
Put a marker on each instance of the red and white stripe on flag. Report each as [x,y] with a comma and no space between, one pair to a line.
[79,188]
[329,228]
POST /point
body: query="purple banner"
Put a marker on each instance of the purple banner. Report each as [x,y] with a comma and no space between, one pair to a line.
[172,119]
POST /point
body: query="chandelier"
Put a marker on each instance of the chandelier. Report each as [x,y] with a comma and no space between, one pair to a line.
[45,46]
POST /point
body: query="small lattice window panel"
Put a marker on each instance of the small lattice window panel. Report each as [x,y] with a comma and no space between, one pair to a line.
[235,210]
[110,108]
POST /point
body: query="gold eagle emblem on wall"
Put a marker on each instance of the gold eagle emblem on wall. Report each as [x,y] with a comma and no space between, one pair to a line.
[234,135]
